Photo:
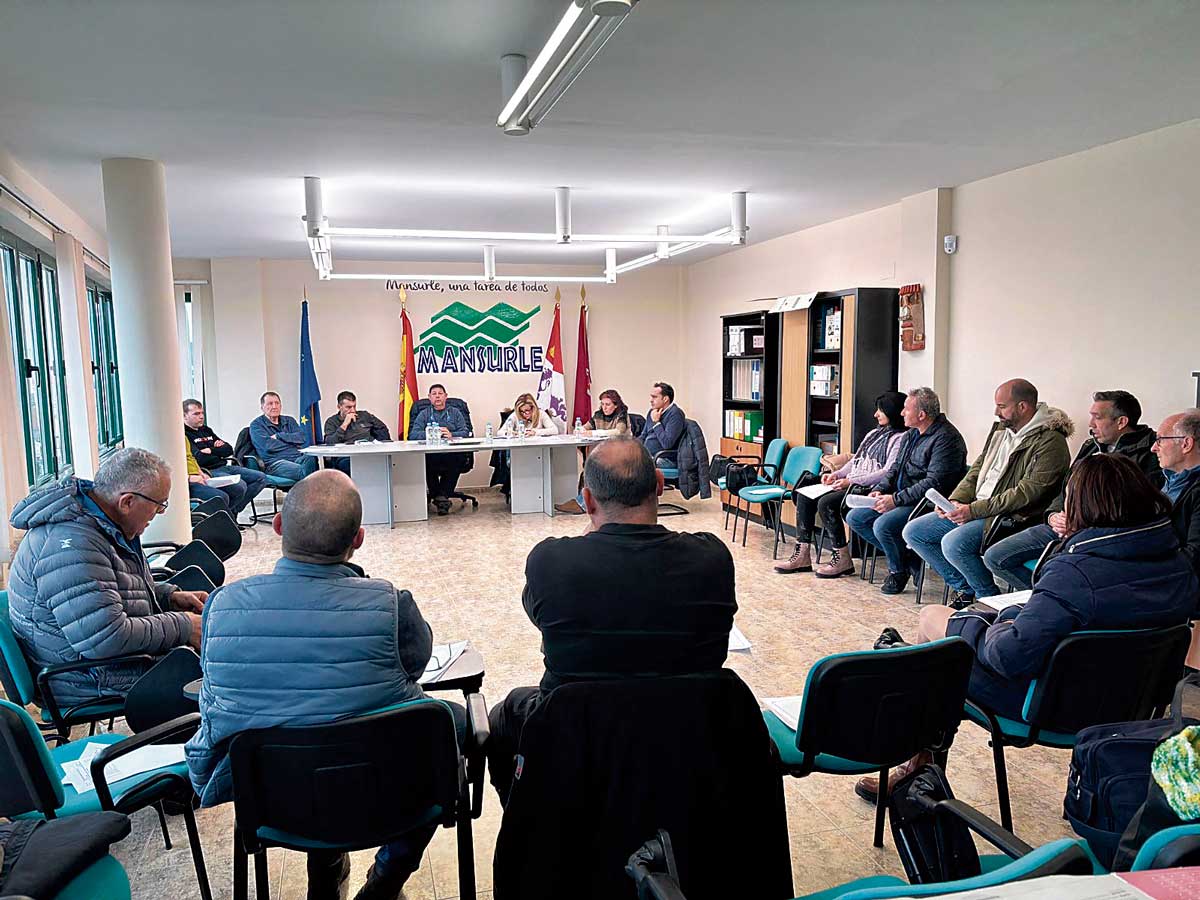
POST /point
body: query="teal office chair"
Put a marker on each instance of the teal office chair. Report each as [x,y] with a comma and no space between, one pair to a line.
[652,869]
[670,477]
[26,688]
[1170,848]
[870,710]
[768,473]
[800,461]
[244,455]
[1092,677]
[31,777]
[104,878]
[356,783]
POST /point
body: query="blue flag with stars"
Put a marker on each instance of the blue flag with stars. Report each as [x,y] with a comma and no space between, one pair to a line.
[310,391]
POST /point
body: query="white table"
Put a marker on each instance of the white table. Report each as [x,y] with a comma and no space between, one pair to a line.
[391,475]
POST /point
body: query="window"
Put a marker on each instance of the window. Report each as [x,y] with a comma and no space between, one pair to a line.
[106,378]
[32,297]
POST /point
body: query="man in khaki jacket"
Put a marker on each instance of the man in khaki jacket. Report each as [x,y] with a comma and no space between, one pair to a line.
[1016,476]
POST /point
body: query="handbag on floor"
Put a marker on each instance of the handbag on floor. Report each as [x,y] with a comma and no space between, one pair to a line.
[933,847]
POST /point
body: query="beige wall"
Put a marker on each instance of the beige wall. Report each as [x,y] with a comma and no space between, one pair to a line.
[1080,274]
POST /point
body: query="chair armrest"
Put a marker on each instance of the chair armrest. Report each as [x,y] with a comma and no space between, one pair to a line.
[988,829]
[44,676]
[184,725]
[163,546]
[478,733]
[477,719]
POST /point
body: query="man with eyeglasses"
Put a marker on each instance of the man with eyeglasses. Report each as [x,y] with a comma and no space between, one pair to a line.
[1178,450]
[80,588]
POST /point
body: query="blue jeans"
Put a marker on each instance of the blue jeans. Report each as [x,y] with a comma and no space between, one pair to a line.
[286,468]
[253,480]
[954,552]
[883,530]
[225,496]
[1007,558]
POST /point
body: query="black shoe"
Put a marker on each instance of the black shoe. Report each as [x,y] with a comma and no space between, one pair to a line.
[328,876]
[961,599]
[442,504]
[890,637]
[895,583]
[377,888]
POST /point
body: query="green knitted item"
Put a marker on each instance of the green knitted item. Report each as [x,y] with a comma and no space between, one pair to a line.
[1176,769]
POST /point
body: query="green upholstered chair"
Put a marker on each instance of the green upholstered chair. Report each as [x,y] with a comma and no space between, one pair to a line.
[800,461]
[768,469]
[870,710]
[1092,677]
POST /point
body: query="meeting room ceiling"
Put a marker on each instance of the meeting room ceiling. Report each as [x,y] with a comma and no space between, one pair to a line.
[817,109]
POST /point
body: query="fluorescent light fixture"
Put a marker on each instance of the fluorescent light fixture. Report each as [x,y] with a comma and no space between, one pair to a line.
[538,92]
[714,237]
[610,240]
[406,276]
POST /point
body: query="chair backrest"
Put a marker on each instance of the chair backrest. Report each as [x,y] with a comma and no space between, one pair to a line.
[355,783]
[1169,849]
[192,579]
[28,776]
[772,463]
[205,508]
[800,460]
[197,553]
[1095,677]
[457,402]
[15,674]
[220,533]
[637,424]
[243,450]
[880,707]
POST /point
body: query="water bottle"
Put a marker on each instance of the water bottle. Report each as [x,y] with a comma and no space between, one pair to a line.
[430,439]
[521,430]
[578,427]
[489,434]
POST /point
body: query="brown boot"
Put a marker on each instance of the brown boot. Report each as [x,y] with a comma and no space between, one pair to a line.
[839,564]
[801,560]
[867,787]
[571,507]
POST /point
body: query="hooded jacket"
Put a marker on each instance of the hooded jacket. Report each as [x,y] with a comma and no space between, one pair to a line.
[1033,473]
[1135,444]
[1101,578]
[79,590]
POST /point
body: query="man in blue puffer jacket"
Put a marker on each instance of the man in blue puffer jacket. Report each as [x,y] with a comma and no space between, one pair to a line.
[80,587]
[314,641]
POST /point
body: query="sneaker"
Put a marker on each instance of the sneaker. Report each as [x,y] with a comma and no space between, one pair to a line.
[960,599]
[895,583]
[801,560]
[839,564]
[571,507]
[867,787]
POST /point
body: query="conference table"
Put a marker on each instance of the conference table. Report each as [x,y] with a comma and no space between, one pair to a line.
[390,475]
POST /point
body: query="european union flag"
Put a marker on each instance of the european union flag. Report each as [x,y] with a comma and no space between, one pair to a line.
[310,391]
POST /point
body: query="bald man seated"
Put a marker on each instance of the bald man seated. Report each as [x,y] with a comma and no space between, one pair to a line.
[314,641]
[628,599]
[1015,477]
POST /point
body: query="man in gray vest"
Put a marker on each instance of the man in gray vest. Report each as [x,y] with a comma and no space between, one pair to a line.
[314,641]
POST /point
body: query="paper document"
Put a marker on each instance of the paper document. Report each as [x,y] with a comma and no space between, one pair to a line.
[442,658]
[787,708]
[939,501]
[466,440]
[737,640]
[220,481]
[1060,887]
[859,501]
[815,491]
[1003,601]
[77,773]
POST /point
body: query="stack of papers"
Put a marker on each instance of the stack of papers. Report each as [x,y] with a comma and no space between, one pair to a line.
[77,773]
[786,708]
[1003,601]
[442,658]
[815,491]
[737,640]
[859,501]
[220,481]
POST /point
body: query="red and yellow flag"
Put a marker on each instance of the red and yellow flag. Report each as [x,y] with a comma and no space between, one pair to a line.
[408,370]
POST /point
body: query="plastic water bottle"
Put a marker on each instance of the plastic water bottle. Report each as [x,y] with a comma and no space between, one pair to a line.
[489,434]
[430,435]
[578,427]
[521,430]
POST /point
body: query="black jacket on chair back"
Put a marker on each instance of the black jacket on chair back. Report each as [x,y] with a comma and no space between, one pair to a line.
[604,765]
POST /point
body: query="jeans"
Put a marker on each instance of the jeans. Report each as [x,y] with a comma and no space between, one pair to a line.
[954,551]
[253,480]
[884,530]
[286,468]
[224,496]
[1007,558]
[341,463]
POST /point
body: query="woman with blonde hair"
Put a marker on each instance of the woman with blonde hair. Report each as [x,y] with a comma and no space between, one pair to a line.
[537,421]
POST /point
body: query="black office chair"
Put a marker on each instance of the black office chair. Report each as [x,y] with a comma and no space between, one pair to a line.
[468,458]
[191,578]
[1093,677]
[356,783]
[637,424]
[244,455]
[195,553]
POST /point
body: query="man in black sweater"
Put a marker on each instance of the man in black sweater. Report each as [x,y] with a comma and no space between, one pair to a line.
[349,425]
[214,454]
[628,599]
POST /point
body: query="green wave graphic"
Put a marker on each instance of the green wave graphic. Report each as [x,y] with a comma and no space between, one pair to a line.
[491,331]
[439,345]
[459,325]
[471,317]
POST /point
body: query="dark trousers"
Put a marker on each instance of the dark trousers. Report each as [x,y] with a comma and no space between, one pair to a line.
[441,473]
[252,481]
[830,507]
[341,463]
[505,722]
[394,862]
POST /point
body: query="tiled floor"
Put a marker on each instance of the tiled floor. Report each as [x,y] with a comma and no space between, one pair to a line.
[465,571]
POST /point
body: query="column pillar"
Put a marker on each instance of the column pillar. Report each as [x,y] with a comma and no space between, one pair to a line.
[77,354]
[135,206]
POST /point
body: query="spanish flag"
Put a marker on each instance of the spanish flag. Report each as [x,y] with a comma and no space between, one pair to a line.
[408,370]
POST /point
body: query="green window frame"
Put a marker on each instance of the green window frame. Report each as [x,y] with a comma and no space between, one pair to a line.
[31,293]
[106,376]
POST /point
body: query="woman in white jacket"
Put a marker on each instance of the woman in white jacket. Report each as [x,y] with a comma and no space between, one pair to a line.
[537,421]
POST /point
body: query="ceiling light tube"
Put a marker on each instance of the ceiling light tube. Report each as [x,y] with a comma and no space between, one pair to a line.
[557,37]
[722,236]
[440,234]
[547,98]
[405,276]
[571,57]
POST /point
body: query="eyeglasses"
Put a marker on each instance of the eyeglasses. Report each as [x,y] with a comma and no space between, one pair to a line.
[1170,437]
[161,504]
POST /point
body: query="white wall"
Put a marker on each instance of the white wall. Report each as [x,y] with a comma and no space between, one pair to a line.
[1080,274]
